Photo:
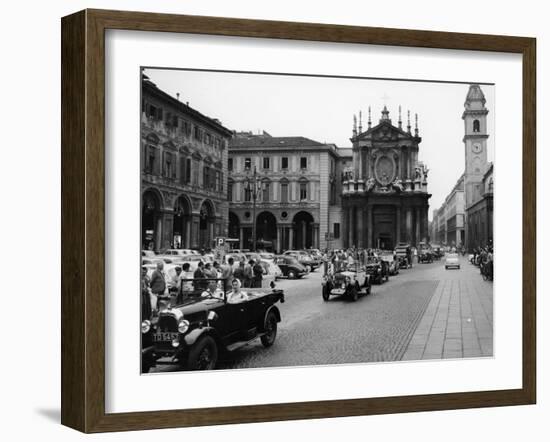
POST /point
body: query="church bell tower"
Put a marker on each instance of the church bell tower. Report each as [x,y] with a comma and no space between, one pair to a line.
[475,142]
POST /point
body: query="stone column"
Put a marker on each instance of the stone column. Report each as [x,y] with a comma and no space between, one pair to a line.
[241,238]
[168,228]
[369,227]
[158,233]
[417,226]
[291,237]
[359,227]
[279,237]
[304,235]
[187,229]
[315,239]
[344,232]
[398,225]
[351,226]
[408,225]
[195,219]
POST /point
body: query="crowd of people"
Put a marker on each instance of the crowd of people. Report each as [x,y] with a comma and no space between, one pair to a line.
[483,258]
[211,279]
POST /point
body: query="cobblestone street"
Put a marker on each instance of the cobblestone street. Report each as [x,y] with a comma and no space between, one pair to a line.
[425,312]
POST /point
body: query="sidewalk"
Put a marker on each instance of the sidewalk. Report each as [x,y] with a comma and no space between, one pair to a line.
[458,322]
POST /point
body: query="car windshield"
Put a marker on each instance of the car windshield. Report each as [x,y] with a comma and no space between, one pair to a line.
[452,256]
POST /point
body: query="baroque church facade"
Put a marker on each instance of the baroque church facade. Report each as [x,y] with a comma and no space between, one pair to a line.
[385,194]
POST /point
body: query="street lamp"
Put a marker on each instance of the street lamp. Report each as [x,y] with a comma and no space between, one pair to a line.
[254,186]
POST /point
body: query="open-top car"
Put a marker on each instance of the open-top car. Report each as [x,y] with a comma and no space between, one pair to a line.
[404,255]
[392,262]
[208,319]
[378,269]
[425,253]
[347,283]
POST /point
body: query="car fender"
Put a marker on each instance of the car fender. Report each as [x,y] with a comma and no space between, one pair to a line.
[195,334]
[273,309]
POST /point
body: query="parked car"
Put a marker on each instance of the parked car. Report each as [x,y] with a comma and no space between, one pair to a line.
[290,267]
[346,283]
[451,260]
[304,258]
[377,269]
[393,264]
[148,254]
[273,269]
[195,332]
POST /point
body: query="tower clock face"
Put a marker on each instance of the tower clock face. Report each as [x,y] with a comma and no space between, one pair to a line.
[476,148]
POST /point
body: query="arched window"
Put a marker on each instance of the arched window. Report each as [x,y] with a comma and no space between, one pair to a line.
[476,125]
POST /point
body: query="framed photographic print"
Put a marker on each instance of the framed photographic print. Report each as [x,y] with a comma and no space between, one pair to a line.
[266,221]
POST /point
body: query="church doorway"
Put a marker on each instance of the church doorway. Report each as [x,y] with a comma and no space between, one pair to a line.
[384,227]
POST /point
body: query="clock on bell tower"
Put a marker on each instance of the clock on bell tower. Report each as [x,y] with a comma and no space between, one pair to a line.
[475,141]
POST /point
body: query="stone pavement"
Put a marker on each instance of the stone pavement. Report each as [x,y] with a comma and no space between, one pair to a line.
[458,322]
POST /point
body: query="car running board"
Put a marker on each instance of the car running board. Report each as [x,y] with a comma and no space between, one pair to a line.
[239,344]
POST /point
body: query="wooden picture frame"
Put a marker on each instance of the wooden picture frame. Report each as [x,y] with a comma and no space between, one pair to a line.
[83,219]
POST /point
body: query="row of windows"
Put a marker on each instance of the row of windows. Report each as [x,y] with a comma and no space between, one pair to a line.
[265,191]
[188,169]
[266,163]
[185,127]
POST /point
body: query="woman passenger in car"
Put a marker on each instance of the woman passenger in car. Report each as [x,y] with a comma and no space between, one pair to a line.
[236,295]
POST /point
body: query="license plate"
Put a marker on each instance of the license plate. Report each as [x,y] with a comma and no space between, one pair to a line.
[164,336]
[337,291]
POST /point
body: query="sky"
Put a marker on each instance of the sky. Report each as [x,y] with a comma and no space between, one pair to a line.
[322,109]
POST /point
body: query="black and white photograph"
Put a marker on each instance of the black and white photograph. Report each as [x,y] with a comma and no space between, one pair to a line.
[302,220]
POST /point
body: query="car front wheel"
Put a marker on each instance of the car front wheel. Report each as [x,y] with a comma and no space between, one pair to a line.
[203,355]
[270,327]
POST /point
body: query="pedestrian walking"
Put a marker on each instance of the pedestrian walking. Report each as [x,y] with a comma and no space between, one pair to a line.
[227,273]
[158,286]
[238,273]
[258,272]
[248,274]
[146,310]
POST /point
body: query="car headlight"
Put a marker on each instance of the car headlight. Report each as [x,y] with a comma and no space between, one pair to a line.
[183,326]
[145,326]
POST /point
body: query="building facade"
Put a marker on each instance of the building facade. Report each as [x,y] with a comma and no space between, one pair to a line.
[183,173]
[450,217]
[480,214]
[476,163]
[296,204]
[385,195]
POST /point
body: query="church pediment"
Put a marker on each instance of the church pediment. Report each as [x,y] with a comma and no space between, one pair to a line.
[383,132]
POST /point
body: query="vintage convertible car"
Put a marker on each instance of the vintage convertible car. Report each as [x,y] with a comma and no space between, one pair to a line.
[393,264]
[347,284]
[378,269]
[196,330]
[404,255]
[425,255]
